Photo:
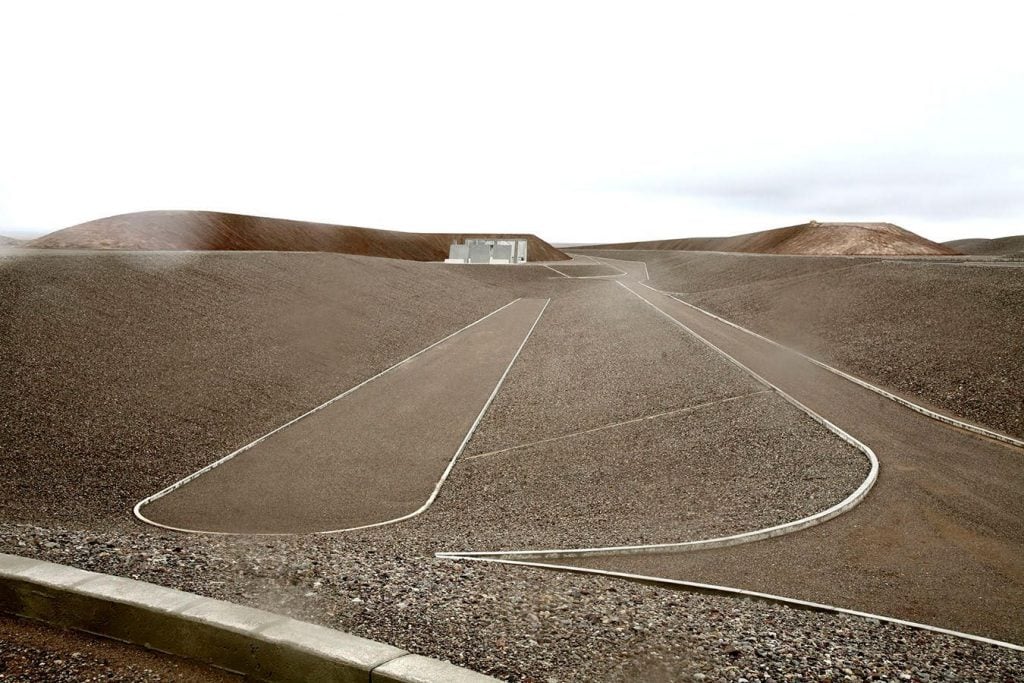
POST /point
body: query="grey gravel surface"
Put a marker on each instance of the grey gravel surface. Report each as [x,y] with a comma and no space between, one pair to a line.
[585,270]
[946,336]
[939,333]
[693,272]
[96,370]
[725,468]
[521,624]
[600,355]
[31,651]
[141,368]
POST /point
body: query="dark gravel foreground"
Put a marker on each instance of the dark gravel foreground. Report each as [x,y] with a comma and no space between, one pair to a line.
[942,334]
[521,624]
[85,347]
[30,651]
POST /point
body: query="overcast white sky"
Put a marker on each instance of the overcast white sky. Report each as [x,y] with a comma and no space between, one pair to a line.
[579,121]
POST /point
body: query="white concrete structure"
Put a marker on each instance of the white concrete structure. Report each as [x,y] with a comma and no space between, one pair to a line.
[500,251]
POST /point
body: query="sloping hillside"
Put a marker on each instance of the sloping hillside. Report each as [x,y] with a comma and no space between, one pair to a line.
[807,238]
[9,242]
[212,231]
[1001,246]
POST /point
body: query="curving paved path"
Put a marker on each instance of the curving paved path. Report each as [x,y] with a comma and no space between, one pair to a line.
[939,540]
[376,455]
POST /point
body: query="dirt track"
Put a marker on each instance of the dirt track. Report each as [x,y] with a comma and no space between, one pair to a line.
[939,540]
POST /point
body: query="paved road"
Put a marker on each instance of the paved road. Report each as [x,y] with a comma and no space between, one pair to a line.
[939,540]
[370,457]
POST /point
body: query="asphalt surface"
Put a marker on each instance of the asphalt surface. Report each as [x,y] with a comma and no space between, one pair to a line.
[939,540]
[369,457]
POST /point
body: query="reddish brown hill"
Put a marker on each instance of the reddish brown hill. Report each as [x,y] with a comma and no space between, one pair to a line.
[808,238]
[1001,246]
[212,231]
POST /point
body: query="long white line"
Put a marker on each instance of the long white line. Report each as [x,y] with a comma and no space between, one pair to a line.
[955,422]
[839,508]
[623,260]
[612,425]
[552,269]
[742,593]
[502,557]
[971,427]
[137,510]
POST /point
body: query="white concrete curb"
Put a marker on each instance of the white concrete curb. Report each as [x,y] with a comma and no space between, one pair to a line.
[137,510]
[839,508]
[260,645]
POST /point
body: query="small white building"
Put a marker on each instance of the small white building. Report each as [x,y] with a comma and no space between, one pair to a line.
[506,251]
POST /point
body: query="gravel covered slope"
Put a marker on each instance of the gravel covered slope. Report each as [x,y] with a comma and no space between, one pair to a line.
[946,336]
[258,339]
[729,467]
[601,355]
[141,368]
[942,334]
[699,272]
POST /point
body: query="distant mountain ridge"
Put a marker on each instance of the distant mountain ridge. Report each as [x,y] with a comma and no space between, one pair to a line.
[811,238]
[1000,246]
[211,230]
[10,241]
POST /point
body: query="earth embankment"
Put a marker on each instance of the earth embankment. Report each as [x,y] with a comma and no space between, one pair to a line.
[806,238]
[941,334]
[121,373]
[1001,246]
[213,231]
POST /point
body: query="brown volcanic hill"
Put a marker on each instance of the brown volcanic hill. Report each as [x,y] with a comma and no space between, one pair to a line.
[1001,246]
[11,242]
[213,231]
[807,238]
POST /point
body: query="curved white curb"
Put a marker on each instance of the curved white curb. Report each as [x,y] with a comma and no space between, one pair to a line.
[839,508]
[137,510]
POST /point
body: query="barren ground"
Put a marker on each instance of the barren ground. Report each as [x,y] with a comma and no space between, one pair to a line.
[101,407]
[944,335]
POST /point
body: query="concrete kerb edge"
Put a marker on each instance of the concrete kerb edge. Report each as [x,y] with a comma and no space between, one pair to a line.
[235,638]
[819,517]
[137,509]
[743,593]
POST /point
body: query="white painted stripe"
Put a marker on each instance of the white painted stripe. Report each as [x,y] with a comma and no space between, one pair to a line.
[612,425]
[552,269]
[739,592]
[137,510]
[839,508]
[623,260]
